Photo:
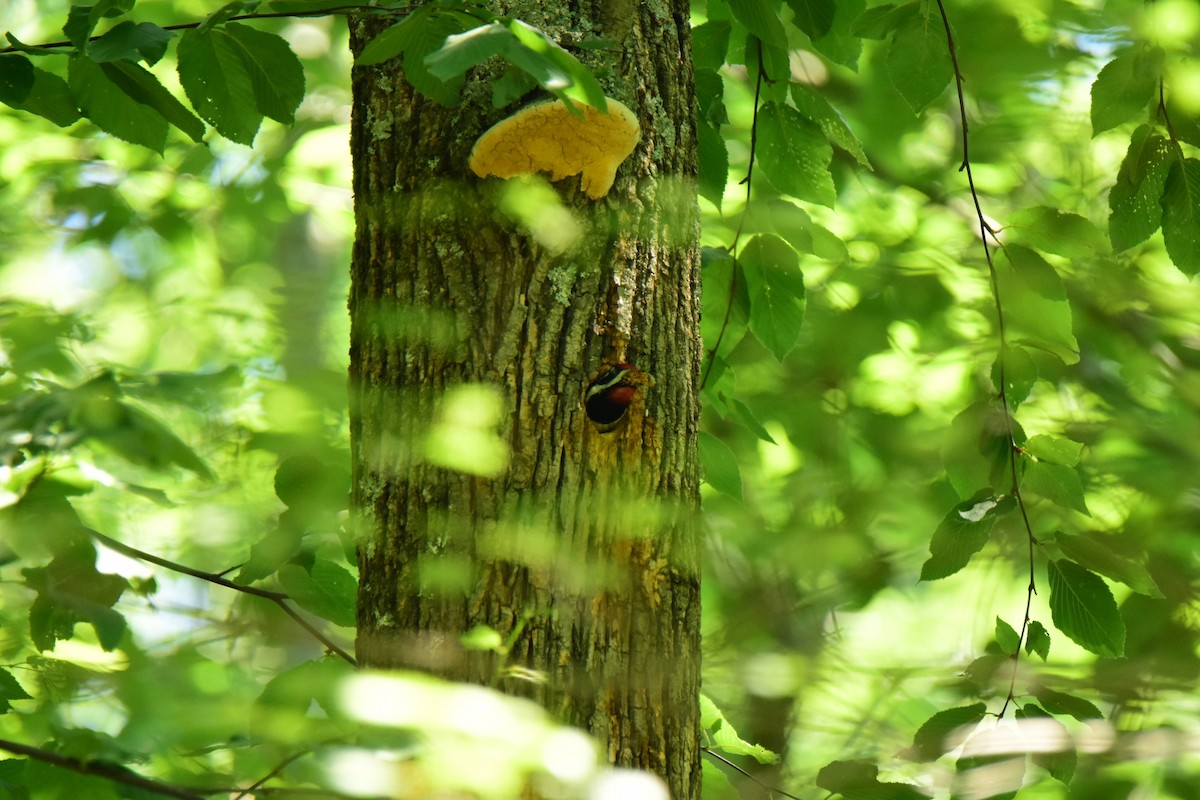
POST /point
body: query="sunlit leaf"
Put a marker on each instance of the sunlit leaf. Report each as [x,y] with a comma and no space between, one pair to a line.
[1083,608]
[723,735]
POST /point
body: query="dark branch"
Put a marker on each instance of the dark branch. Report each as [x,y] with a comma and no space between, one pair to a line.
[278,598]
[732,765]
[99,769]
[1014,449]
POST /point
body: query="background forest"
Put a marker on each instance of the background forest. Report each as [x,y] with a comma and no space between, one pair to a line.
[173,355]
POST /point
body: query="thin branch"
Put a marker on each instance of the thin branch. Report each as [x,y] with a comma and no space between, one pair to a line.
[280,767]
[1014,449]
[278,598]
[343,10]
[737,234]
[99,769]
[732,765]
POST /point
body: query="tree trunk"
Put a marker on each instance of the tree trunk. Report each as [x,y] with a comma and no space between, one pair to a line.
[584,548]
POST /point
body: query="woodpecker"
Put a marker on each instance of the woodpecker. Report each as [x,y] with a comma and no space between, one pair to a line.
[609,395]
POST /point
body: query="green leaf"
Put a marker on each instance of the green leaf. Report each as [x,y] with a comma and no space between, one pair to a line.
[710,90]
[327,590]
[462,51]
[1181,216]
[112,109]
[725,310]
[794,155]
[216,80]
[10,690]
[859,780]
[714,163]
[1007,637]
[481,637]
[1098,553]
[841,45]
[750,421]
[1124,88]
[976,449]
[1020,374]
[918,61]
[715,784]
[82,20]
[720,466]
[1059,763]
[1083,608]
[1037,639]
[142,86]
[710,43]
[878,22]
[929,742]
[776,288]
[1035,304]
[275,72]
[816,108]
[1135,200]
[581,86]
[1060,703]
[723,735]
[393,41]
[50,98]
[128,41]
[962,533]
[1057,483]
[761,17]
[16,79]
[70,590]
[814,17]
[1054,449]
[1057,232]
[511,86]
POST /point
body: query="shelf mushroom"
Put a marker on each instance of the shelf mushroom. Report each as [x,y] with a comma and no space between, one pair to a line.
[547,137]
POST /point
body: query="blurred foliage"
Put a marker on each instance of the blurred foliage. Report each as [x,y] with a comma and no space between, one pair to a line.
[172,360]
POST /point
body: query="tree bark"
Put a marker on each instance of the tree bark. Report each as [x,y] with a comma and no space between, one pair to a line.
[583,549]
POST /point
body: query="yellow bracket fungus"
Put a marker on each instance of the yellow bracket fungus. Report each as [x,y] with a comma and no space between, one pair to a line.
[547,137]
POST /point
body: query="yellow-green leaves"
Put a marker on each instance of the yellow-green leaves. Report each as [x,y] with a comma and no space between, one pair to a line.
[918,60]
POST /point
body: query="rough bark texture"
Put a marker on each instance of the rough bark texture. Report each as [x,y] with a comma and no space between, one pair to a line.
[585,546]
